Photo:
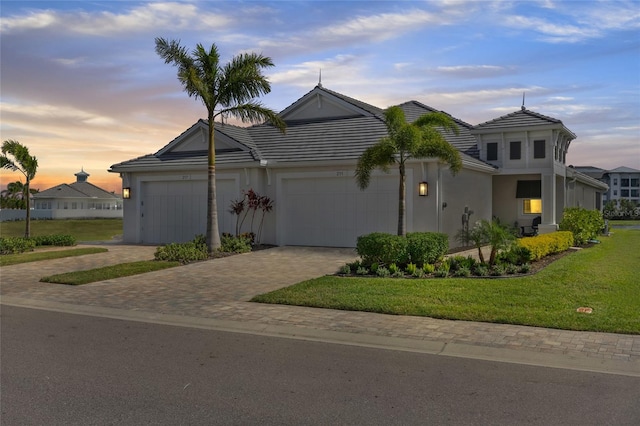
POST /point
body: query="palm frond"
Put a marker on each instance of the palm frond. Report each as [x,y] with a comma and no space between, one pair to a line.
[380,155]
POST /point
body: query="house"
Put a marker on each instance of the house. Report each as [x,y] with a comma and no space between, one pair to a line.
[623,182]
[80,199]
[309,173]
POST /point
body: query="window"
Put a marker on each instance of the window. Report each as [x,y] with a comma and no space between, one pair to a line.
[514,150]
[624,192]
[538,149]
[74,206]
[635,182]
[615,181]
[492,151]
[529,189]
[634,193]
[532,206]
[615,192]
[624,182]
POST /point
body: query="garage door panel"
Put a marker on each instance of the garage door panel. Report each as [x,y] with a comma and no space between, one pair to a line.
[333,211]
[175,211]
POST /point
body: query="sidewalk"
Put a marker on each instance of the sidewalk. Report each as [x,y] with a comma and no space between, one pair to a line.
[214,294]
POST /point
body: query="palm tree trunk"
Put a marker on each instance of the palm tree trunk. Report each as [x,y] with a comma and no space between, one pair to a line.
[27,230]
[402,203]
[213,234]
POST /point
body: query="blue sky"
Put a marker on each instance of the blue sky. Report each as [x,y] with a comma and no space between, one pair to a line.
[81,84]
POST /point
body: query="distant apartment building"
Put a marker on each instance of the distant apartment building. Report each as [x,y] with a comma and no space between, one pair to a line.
[624,182]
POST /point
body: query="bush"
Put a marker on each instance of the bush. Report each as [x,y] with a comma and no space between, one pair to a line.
[462,271]
[411,268]
[12,245]
[183,252]
[382,272]
[362,271]
[345,270]
[546,244]
[461,262]
[428,268]
[55,240]
[481,270]
[393,268]
[418,273]
[426,247]
[416,247]
[233,244]
[516,255]
[584,224]
[382,248]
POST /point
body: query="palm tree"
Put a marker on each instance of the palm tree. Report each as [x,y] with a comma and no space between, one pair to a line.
[24,163]
[228,90]
[420,139]
[13,196]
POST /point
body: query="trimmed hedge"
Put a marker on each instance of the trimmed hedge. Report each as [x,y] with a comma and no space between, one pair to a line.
[417,247]
[183,252]
[546,244]
[12,245]
[55,240]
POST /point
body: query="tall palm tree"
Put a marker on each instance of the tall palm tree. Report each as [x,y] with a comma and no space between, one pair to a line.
[225,90]
[420,139]
[16,157]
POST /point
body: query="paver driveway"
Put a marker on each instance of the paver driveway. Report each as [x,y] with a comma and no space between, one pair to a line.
[228,279]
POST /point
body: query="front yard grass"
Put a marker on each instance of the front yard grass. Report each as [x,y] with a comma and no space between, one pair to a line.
[14,259]
[81,229]
[604,277]
[109,272]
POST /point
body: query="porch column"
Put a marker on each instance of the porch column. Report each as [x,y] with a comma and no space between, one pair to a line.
[548,205]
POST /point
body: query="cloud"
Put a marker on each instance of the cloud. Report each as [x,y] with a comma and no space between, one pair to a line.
[475,71]
[141,19]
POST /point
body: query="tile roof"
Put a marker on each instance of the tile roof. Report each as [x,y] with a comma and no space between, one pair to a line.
[520,119]
[75,190]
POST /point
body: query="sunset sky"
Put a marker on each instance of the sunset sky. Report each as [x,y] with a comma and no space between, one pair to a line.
[82,86]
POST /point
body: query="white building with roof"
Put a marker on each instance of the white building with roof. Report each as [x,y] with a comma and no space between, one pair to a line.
[623,182]
[513,169]
[79,199]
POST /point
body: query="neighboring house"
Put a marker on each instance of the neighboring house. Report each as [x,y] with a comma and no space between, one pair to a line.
[623,182]
[309,173]
[80,199]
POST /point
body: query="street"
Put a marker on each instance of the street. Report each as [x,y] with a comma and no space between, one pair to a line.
[66,369]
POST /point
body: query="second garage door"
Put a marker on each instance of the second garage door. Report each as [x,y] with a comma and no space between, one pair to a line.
[333,211]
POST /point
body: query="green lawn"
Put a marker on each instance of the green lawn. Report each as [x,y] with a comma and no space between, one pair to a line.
[81,229]
[109,272]
[604,277]
[14,259]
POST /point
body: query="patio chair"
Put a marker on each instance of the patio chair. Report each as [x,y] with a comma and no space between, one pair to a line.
[530,231]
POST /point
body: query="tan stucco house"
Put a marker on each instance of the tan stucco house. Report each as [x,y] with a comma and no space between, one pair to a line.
[309,173]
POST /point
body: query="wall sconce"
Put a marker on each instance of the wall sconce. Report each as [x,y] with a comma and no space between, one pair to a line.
[423,189]
[126,193]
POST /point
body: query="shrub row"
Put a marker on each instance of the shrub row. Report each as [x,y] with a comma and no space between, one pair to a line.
[197,249]
[546,244]
[55,240]
[13,245]
[418,248]
[183,252]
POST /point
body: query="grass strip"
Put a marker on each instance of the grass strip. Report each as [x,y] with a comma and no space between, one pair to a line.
[81,229]
[603,277]
[109,272]
[14,259]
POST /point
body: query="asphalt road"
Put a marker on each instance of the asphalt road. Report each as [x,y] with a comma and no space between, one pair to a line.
[65,369]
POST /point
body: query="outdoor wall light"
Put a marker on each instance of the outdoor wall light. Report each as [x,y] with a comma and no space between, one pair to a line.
[423,189]
[126,193]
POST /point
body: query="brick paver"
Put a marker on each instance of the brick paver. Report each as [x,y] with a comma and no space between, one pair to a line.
[221,288]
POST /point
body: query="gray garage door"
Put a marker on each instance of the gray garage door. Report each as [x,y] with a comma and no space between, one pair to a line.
[333,211]
[175,211]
